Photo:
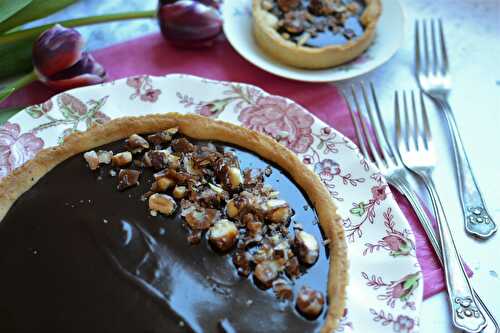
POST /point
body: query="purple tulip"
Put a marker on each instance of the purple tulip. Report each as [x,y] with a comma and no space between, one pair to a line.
[189,23]
[60,62]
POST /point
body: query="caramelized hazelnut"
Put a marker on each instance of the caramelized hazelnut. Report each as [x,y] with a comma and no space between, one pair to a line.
[231,210]
[310,302]
[182,145]
[127,178]
[265,273]
[307,247]
[92,159]
[223,235]
[159,138]
[235,178]
[292,267]
[201,218]
[136,143]
[179,192]
[162,184]
[121,159]
[282,289]
[242,260]
[287,5]
[158,159]
[162,203]
[278,211]
[104,156]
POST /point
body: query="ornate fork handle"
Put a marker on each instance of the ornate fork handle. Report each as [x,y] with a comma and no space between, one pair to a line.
[466,313]
[402,185]
[477,220]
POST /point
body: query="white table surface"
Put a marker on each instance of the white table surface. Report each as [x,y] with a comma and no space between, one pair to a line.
[473,34]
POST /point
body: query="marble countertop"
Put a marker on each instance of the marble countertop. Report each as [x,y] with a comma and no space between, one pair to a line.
[473,34]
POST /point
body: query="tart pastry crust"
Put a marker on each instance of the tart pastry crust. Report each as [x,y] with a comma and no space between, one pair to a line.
[199,127]
[289,53]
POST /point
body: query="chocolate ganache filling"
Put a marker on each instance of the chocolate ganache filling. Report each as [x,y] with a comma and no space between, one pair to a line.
[318,23]
[133,247]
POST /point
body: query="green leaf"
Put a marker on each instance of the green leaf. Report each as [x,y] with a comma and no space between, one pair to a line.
[15,58]
[10,7]
[35,10]
[5,114]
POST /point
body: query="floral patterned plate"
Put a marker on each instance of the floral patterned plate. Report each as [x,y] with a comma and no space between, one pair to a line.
[238,30]
[385,289]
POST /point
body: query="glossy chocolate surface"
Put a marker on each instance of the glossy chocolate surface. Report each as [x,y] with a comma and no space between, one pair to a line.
[76,255]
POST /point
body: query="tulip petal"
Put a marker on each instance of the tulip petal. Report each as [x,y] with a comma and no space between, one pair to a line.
[85,72]
[56,49]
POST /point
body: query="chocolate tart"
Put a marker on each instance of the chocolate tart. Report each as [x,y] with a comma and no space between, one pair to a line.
[315,34]
[169,223]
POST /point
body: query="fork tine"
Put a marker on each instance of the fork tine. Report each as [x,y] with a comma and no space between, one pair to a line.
[417,47]
[444,53]
[376,125]
[435,61]
[425,121]
[416,129]
[406,128]
[357,128]
[391,149]
[373,149]
[397,123]
[426,46]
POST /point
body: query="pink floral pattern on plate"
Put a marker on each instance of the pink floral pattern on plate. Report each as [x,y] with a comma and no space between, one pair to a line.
[383,266]
[16,148]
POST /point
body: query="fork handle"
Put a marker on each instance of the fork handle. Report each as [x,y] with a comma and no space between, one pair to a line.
[405,188]
[466,314]
[478,221]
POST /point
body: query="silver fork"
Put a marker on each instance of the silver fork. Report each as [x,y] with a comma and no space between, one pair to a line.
[394,171]
[432,71]
[417,152]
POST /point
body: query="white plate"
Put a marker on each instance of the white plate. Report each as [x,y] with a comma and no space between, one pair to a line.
[385,287]
[238,29]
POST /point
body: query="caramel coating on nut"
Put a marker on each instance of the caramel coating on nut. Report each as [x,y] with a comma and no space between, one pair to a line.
[121,159]
[162,203]
[310,302]
[223,235]
[307,247]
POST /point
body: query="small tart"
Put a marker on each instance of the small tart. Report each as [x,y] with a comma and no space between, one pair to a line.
[197,127]
[290,46]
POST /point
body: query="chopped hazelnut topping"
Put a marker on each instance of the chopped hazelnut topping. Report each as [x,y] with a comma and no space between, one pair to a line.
[92,159]
[136,143]
[162,184]
[307,247]
[310,302]
[182,145]
[179,192]
[201,218]
[158,159]
[223,235]
[282,289]
[265,273]
[287,5]
[127,178]
[235,178]
[121,159]
[293,268]
[104,156]
[242,260]
[162,203]
[279,212]
[231,210]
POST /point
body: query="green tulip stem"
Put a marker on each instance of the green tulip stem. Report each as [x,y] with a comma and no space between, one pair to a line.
[9,88]
[34,32]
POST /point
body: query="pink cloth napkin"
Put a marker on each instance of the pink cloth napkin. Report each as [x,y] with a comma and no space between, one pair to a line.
[152,55]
